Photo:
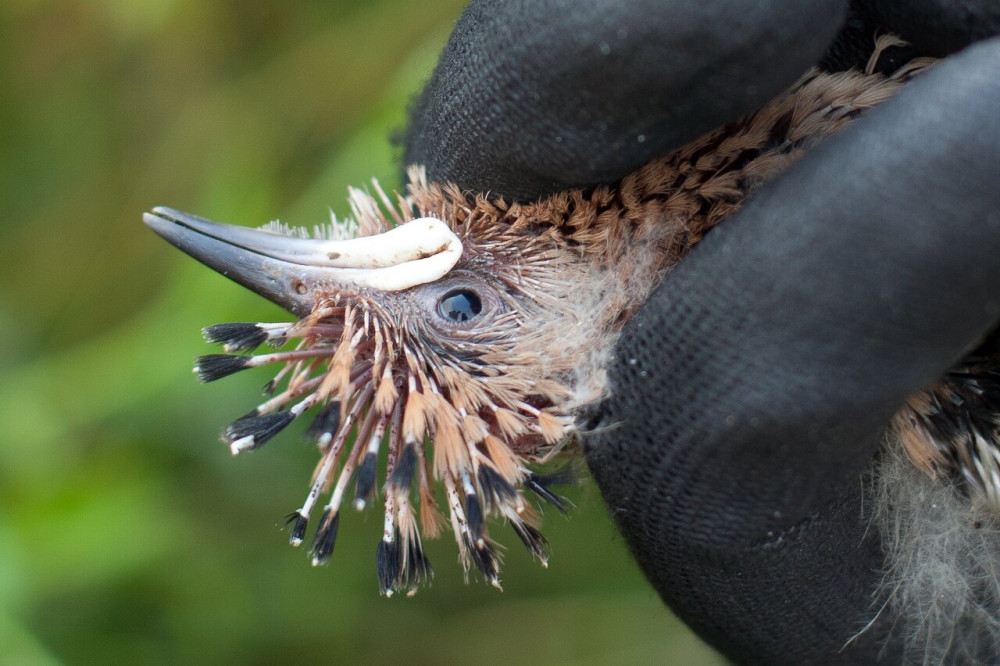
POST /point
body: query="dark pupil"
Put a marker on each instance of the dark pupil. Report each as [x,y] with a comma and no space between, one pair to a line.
[460,305]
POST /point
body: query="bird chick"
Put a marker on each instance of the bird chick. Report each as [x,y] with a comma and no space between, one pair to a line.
[461,337]
[465,334]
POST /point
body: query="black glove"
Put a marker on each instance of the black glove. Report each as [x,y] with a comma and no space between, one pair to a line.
[751,392]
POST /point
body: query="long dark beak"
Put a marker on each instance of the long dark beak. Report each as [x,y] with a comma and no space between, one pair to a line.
[292,271]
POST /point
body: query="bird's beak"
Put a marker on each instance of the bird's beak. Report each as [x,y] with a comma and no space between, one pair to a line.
[289,270]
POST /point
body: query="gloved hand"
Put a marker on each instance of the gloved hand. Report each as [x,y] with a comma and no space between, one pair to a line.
[751,392]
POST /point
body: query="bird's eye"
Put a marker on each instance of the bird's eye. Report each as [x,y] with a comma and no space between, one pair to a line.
[460,305]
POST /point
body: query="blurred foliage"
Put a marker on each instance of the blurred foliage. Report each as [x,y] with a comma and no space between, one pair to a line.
[127,533]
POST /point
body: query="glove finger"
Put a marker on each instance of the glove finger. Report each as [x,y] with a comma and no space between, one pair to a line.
[532,97]
[750,392]
[857,279]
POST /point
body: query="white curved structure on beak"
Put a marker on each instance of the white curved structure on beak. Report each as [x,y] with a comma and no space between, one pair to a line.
[276,265]
[414,253]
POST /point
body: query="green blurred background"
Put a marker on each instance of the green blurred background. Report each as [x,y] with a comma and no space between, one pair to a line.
[127,532]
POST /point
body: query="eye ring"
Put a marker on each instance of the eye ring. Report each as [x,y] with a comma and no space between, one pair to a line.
[460,305]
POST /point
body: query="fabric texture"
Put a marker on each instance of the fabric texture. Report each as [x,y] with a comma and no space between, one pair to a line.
[535,97]
[750,393]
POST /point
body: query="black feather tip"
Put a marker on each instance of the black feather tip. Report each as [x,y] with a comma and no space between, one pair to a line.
[235,337]
[259,428]
[296,522]
[326,422]
[364,485]
[416,569]
[486,560]
[496,490]
[216,366]
[326,537]
[387,564]
[474,513]
[532,540]
[402,474]
[539,484]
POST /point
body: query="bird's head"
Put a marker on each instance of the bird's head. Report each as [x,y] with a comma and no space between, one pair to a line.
[434,328]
